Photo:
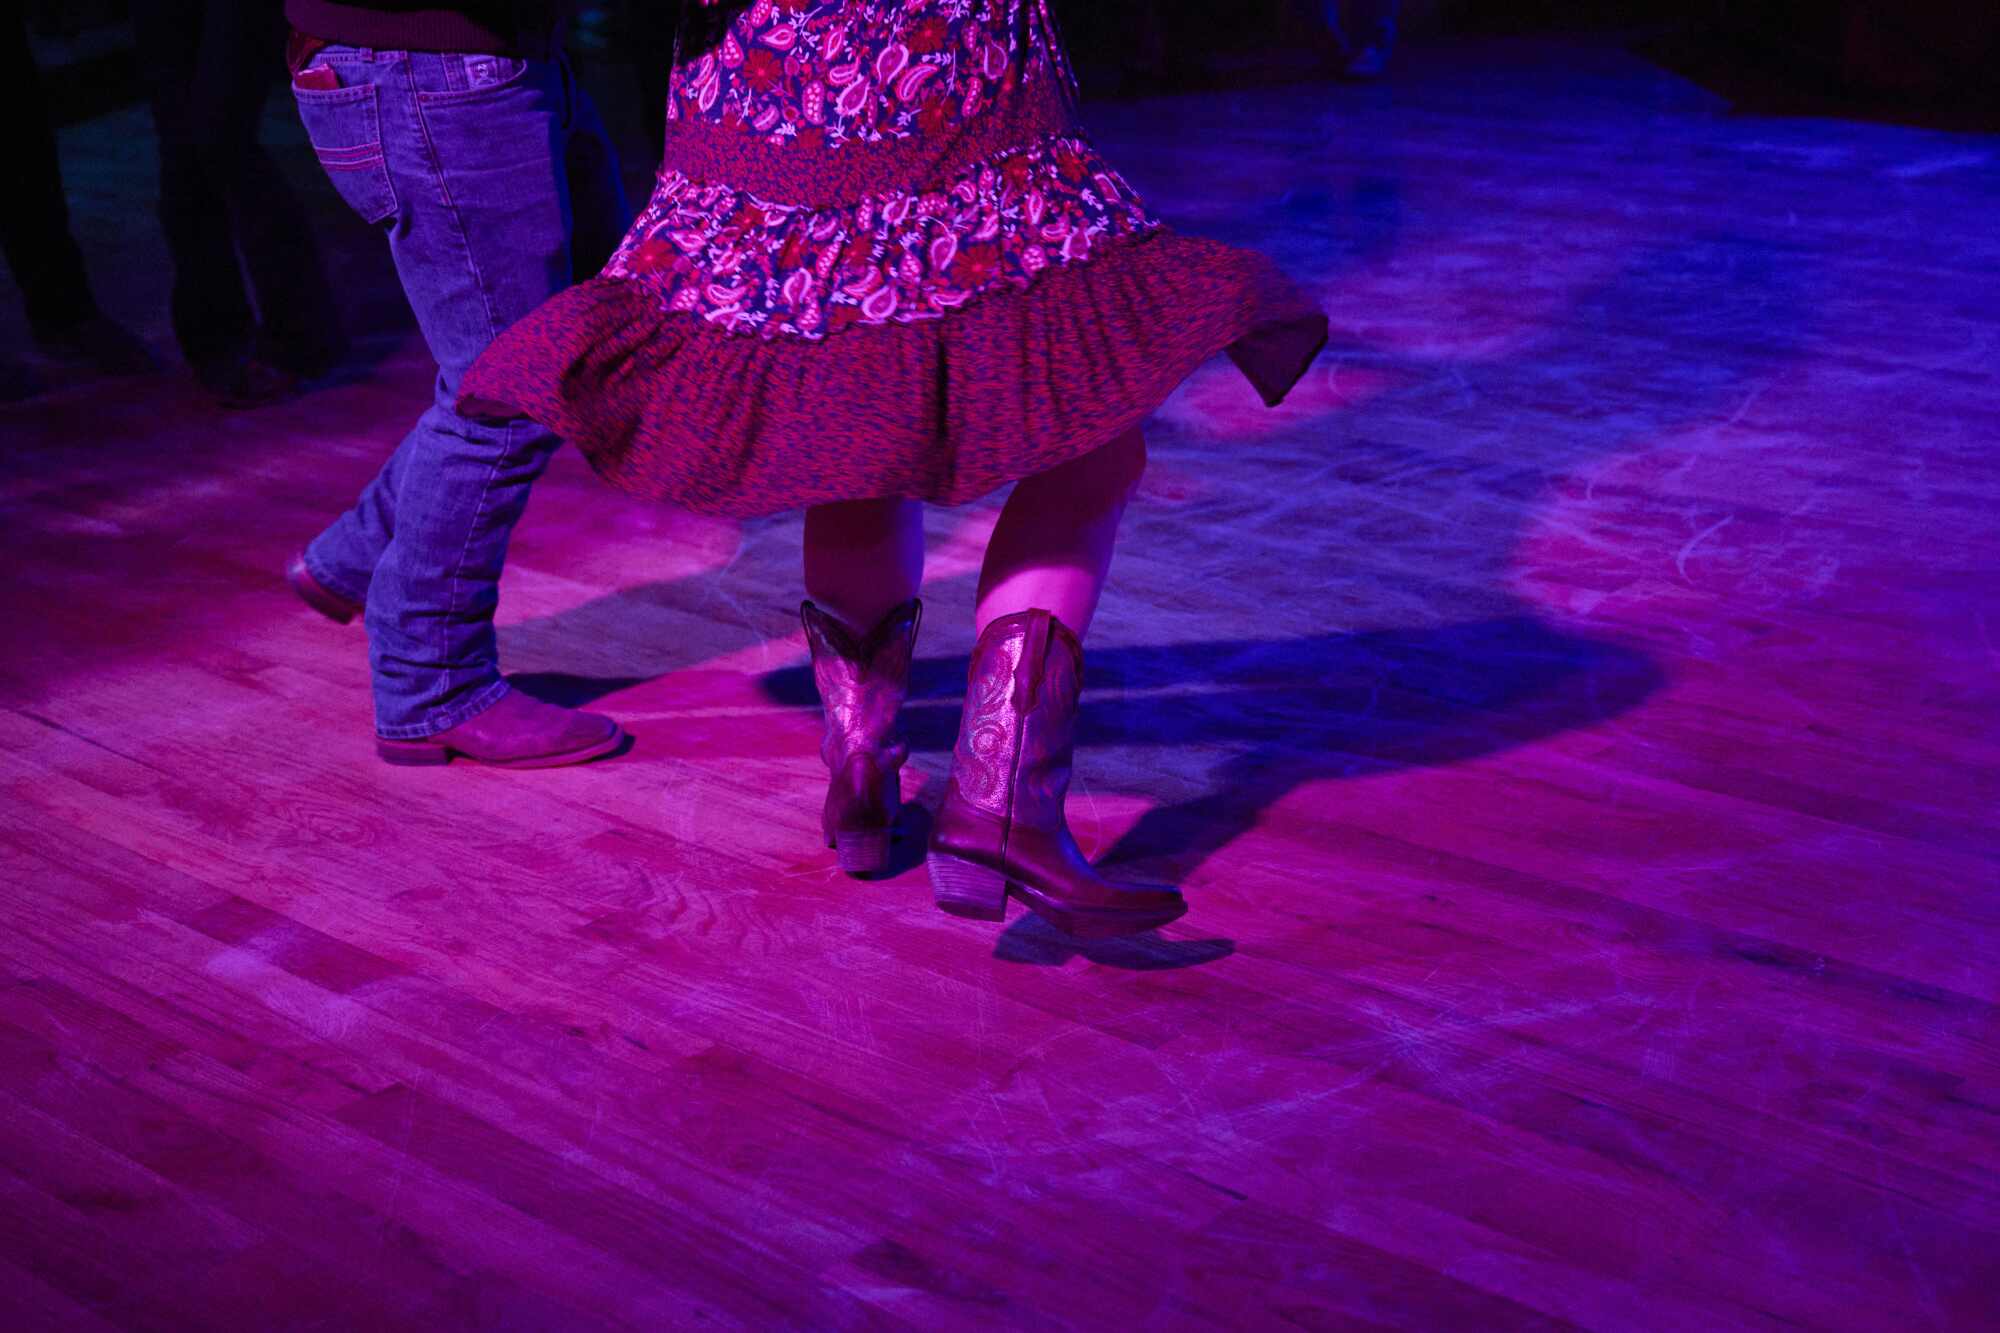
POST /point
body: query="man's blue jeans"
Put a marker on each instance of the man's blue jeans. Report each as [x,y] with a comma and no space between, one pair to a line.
[494,180]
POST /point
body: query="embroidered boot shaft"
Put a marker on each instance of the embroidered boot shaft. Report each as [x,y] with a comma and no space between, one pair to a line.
[862,682]
[1001,829]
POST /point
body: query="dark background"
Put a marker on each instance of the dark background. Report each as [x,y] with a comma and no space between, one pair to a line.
[1921,60]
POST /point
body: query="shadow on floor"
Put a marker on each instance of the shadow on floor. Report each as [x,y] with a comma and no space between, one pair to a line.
[1632,357]
[1276,714]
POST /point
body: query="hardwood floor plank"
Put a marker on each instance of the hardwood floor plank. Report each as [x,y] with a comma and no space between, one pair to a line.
[1572,716]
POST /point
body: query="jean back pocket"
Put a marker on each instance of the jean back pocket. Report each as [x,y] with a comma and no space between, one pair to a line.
[345,127]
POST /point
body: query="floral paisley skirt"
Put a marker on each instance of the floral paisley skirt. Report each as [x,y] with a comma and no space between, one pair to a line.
[881,260]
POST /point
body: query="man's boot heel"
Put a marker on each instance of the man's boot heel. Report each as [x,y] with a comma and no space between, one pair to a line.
[411,754]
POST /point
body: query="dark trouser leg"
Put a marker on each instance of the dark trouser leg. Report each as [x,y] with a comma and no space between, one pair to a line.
[224,205]
[1376,21]
[1360,24]
[242,53]
[652,36]
[599,211]
[34,225]
[211,308]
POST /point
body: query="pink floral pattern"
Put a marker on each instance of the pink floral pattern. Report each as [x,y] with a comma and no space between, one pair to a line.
[816,77]
[751,266]
[829,72]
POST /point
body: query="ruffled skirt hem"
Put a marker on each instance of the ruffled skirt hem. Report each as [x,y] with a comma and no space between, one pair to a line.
[664,405]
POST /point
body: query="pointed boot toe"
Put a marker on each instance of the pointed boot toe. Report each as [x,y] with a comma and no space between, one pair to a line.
[516,732]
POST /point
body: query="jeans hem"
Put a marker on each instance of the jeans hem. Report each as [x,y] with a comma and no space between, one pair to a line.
[324,580]
[445,721]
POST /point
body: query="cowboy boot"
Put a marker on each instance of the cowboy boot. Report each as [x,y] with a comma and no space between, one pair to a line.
[861,686]
[516,732]
[1001,828]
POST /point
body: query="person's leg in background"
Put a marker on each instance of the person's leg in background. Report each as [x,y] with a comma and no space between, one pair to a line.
[1365,33]
[485,164]
[650,27]
[599,210]
[242,55]
[35,233]
[1379,16]
[224,206]
[212,318]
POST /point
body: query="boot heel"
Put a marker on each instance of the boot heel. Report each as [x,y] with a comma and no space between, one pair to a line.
[966,889]
[863,853]
[412,754]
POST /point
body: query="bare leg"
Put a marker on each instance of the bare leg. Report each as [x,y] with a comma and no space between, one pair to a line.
[1000,831]
[1052,546]
[864,558]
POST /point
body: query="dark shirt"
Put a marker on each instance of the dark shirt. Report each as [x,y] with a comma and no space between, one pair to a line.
[488,27]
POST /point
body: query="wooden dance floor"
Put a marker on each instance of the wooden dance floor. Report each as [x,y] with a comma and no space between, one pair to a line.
[1573,718]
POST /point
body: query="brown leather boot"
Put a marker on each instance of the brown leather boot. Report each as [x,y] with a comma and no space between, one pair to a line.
[1001,828]
[862,682]
[516,732]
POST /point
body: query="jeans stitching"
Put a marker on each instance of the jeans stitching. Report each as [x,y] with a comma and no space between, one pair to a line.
[451,208]
[471,532]
[436,161]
